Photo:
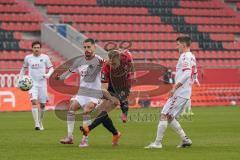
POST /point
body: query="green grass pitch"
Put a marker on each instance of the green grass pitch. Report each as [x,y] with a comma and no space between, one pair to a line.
[215,132]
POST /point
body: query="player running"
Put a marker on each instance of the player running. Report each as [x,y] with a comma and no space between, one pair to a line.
[117,73]
[37,65]
[179,95]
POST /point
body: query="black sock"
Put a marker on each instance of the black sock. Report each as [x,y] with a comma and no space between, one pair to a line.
[124,107]
[108,124]
[98,120]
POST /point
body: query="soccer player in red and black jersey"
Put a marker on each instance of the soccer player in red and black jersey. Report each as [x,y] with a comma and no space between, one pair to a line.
[117,73]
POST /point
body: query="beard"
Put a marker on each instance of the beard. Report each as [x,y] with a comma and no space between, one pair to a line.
[88,54]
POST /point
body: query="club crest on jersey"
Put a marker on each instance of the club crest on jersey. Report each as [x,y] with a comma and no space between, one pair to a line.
[41,60]
[90,66]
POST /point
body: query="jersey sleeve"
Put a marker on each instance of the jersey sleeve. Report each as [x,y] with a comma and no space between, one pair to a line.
[25,62]
[105,73]
[127,60]
[186,68]
[75,64]
[186,63]
[195,70]
[128,55]
[48,62]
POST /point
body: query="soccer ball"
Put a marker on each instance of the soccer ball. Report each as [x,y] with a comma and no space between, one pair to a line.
[25,83]
[233,103]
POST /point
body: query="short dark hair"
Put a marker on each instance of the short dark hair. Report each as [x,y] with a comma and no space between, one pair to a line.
[92,41]
[185,39]
[35,43]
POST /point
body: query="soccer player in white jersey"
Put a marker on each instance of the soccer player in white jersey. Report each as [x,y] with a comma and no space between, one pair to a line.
[37,65]
[89,68]
[178,96]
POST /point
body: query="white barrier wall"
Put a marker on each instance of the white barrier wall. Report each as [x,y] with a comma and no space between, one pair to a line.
[8,80]
[59,43]
[69,46]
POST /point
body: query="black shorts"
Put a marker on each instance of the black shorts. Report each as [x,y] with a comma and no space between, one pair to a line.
[121,94]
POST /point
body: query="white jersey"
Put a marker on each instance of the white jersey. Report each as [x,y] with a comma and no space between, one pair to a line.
[89,71]
[186,61]
[37,66]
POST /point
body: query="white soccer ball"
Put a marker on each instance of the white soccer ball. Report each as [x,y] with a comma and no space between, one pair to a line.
[25,83]
[233,103]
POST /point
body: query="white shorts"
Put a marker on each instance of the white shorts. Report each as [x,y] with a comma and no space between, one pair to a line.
[174,106]
[83,100]
[39,93]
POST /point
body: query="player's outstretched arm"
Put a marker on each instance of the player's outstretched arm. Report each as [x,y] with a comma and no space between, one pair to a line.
[72,69]
[65,75]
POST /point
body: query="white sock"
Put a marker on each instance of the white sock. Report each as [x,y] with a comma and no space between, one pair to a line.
[41,114]
[184,109]
[190,106]
[86,122]
[175,125]
[187,106]
[85,138]
[70,122]
[162,126]
[35,114]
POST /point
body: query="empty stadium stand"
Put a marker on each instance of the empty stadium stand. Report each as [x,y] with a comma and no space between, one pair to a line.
[17,17]
[154,25]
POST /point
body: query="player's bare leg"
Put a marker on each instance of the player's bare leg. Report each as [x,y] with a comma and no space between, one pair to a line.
[35,113]
[74,106]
